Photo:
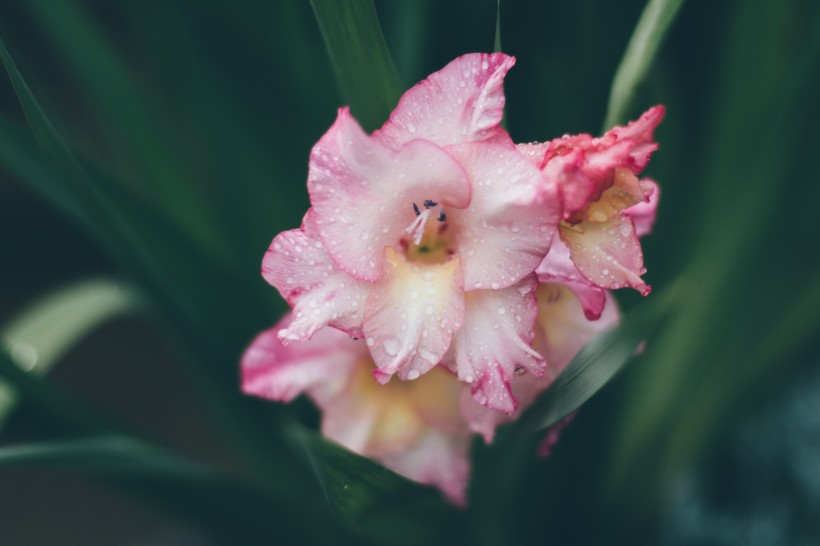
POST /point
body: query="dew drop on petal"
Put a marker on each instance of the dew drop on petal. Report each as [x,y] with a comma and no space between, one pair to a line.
[413,373]
[391,346]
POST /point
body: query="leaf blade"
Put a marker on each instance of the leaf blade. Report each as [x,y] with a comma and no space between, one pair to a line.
[358,53]
[655,21]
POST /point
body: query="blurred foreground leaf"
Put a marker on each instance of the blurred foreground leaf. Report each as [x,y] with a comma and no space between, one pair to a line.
[43,333]
[233,509]
[646,39]
[376,502]
[360,58]
[595,365]
[751,281]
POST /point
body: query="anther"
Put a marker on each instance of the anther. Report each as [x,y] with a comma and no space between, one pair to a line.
[441,216]
[416,209]
[429,203]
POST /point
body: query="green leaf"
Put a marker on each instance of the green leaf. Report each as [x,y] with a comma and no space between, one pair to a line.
[646,39]
[233,508]
[103,454]
[374,501]
[497,42]
[360,58]
[45,332]
[595,365]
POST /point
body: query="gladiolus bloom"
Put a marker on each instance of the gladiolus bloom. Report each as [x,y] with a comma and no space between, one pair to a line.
[424,237]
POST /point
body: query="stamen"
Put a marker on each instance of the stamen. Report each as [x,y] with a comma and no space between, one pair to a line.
[442,217]
[416,209]
[429,203]
[417,227]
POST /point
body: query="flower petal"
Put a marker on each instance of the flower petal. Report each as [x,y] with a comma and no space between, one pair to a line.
[643,214]
[506,231]
[608,254]
[583,167]
[321,367]
[442,460]
[320,293]
[462,102]
[558,267]
[562,327]
[363,192]
[494,342]
[560,331]
[411,315]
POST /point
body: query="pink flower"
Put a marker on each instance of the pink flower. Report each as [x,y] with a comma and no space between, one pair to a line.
[424,237]
[414,428]
[605,207]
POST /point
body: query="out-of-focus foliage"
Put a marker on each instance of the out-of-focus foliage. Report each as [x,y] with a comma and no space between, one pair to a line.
[170,145]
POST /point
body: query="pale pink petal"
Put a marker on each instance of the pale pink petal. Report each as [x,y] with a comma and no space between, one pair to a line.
[481,419]
[363,192]
[561,330]
[321,367]
[442,460]
[505,232]
[494,342]
[562,327]
[462,102]
[372,419]
[535,152]
[320,293]
[493,389]
[411,315]
[559,267]
[643,214]
[608,254]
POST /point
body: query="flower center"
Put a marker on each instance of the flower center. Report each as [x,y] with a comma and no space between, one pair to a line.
[427,240]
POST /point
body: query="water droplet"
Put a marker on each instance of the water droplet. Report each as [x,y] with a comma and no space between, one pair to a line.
[412,294]
[413,373]
[428,310]
[605,272]
[411,127]
[502,311]
[626,228]
[495,285]
[277,246]
[370,342]
[391,346]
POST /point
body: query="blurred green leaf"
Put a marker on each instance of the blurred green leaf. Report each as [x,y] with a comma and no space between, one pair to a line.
[360,58]
[103,454]
[497,42]
[44,332]
[751,281]
[646,39]
[374,501]
[595,365]
[234,508]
